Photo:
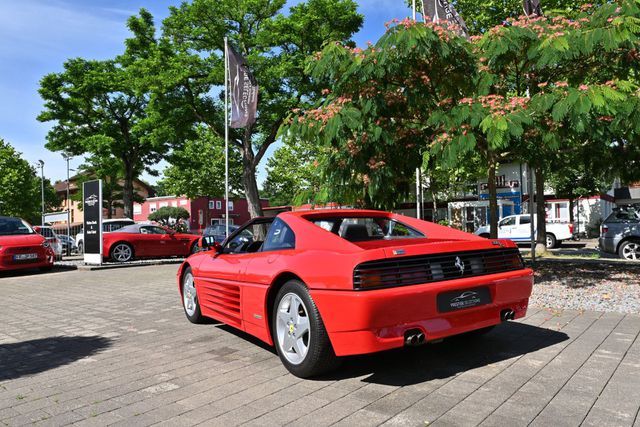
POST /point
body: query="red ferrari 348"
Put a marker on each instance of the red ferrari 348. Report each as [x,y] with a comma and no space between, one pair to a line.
[147,241]
[325,284]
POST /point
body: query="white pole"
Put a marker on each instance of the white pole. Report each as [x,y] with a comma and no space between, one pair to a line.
[226,137]
[413,7]
[418,193]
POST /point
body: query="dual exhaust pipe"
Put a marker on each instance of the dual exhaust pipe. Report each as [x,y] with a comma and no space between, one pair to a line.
[507,314]
[414,337]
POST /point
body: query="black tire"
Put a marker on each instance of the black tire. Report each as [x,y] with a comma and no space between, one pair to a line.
[194,315]
[485,235]
[117,258]
[550,241]
[320,357]
[630,250]
[81,248]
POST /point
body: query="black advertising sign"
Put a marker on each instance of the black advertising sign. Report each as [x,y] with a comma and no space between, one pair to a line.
[92,206]
[442,10]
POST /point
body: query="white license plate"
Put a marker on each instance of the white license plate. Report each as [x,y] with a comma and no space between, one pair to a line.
[22,257]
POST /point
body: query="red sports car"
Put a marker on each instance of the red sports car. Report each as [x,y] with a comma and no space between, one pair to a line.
[21,247]
[147,241]
[332,283]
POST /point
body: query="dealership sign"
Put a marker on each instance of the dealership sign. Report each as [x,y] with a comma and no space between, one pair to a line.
[92,203]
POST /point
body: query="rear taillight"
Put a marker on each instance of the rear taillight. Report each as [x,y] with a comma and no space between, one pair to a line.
[571,228]
[603,229]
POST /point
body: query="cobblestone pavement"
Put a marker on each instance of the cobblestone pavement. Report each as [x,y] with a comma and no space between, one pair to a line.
[113,347]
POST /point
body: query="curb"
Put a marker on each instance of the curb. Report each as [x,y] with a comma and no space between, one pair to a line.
[89,267]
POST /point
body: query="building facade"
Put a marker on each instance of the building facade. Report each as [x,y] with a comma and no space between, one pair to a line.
[203,211]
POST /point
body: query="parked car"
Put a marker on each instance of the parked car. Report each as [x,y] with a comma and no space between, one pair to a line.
[108,225]
[52,238]
[324,284]
[21,247]
[218,231]
[147,241]
[620,233]
[518,229]
[68,243]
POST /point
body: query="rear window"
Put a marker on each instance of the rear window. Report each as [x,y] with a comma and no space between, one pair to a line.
[624,215]
[360,229]
[47,232]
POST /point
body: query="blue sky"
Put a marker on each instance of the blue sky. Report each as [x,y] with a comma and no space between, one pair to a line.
[39,35]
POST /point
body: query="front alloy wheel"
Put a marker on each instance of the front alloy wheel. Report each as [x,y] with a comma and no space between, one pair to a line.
[299,333]
[630,250]
[122,252]
[190,298]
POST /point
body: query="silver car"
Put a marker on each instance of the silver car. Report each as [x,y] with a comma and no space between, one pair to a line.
[620,233]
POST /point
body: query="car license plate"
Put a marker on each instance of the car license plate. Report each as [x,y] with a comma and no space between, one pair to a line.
[23,257]
[457,300]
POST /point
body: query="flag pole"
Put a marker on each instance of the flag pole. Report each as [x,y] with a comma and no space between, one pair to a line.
[226,138]
[413,7]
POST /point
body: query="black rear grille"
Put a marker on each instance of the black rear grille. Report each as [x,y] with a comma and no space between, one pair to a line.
[414,270]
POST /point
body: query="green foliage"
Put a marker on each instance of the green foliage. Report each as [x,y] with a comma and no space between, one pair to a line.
[20,187]
[198,168]
[169,215]
[371,122]
[292,175]
[275,46]
[103,109]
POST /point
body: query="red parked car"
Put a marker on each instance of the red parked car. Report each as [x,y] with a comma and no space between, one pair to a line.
[21,247]
[325,284]
[147,241]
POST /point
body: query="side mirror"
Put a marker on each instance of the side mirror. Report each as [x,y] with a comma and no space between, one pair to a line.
[208,242]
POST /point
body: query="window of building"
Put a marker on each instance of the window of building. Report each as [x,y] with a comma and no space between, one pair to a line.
[183,202]
[174,204]
[218,204]
[137,209]
[164,204]
[211,204]
[230,205]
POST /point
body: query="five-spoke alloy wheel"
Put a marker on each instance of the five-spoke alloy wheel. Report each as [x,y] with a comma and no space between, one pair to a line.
[630,250]
[190,298]
[299,334]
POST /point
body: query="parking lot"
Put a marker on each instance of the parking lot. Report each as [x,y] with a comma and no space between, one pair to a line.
[113,347]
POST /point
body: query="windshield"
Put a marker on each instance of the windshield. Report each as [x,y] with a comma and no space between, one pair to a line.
[14,226]
[358,229]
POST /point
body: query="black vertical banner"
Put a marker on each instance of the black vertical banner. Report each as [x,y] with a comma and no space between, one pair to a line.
[244,91]
[92,206]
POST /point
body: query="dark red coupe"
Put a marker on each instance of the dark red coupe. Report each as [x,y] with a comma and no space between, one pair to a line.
[21,247]
[147,241]
[325,284]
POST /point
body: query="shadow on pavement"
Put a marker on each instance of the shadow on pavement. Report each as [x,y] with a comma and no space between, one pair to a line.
[57,268]
[452,356]
[35,356]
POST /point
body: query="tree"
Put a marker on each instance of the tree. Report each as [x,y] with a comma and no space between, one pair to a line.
[100,108]
[293,176]
[198,168]
[372,121]
[20,187]
[109,170]
[275,47]
[169,216]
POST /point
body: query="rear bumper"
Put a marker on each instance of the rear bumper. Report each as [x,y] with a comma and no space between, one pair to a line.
[361,322]
[608,244]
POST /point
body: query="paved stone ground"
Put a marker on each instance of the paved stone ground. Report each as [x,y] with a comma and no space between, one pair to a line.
[113,347]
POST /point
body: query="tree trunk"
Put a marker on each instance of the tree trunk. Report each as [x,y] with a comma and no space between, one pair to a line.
[493,200]
[541,224]
[571,205]
[127,193]
[249,180]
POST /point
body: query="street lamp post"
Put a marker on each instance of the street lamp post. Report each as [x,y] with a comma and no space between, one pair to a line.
[41,166]
[68,158]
